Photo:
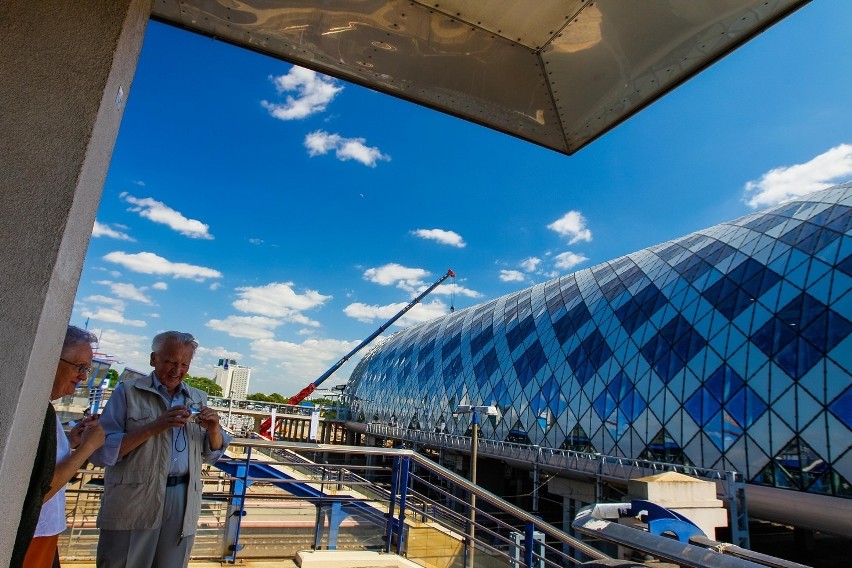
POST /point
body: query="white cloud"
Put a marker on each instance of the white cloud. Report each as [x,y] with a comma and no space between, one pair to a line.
[159,212]
[218,353]
[451,289]
[104,230]
[111,315]
[568,260]
[530,264]
[256,241]
[301,363]
[131,350]
[393,273]
[781,184]
[321,142]
[512,276]
[127,291]
[248,327]
[279,300]
[150,263]
[160,286]
[440,235]
[215,286]
[313,94]
[418,314]
[98,299]
[572,225]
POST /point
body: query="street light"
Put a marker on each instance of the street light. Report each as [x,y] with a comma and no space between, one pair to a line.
[474,411]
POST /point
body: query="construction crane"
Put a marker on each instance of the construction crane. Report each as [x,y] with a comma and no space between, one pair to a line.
[306,392]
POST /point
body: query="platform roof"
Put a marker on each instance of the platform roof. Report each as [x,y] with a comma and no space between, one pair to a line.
[558,73]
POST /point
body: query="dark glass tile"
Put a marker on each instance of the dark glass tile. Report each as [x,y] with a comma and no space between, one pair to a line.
[669,252]
[842,407]
[520,332]
[692,268]
[569,323]
[773,336]
[589,356]
[450,346]
[481,340]
[530,363]
[723,383]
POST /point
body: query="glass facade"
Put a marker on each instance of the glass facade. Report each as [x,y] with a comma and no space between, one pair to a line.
[728,348]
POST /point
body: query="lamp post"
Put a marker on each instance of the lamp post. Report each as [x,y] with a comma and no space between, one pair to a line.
[474,451]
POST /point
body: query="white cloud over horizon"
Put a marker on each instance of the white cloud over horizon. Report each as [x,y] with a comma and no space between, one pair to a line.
[321,142]
[396,274]
[314,92]
[442,236]
[113,232]
[299,363]
[422,312]
[512,276]
[572,226]
[111,315]
[159,212]
[784,183]
[280,300]
[127,291]
[568,260]
[150,263]
[530,264]
[246,327]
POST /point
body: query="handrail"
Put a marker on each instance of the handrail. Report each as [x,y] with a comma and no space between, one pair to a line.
[428,464]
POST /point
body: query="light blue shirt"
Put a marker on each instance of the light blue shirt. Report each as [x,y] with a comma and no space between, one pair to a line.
[115,415]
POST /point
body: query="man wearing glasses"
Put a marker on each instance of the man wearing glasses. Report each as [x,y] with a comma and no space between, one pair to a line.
[158,432]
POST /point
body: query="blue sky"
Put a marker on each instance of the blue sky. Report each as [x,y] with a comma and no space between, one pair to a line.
[281,216]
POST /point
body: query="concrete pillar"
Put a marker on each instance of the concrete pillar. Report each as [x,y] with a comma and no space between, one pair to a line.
[65,72]
[693,498]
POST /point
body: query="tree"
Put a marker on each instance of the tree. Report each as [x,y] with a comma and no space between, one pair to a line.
[259,396]
[275,397]
[111,378]
[205,384]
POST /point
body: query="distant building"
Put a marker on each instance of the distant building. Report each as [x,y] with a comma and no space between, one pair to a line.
[233,378]
[129,373]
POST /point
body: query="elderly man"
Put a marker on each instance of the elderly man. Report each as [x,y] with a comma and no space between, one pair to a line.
[158,431]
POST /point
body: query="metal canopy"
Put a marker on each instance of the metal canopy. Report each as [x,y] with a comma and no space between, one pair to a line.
[558,73]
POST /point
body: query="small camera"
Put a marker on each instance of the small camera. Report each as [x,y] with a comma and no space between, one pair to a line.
[195,411]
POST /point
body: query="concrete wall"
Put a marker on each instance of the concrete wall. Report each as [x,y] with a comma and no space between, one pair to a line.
[65,73]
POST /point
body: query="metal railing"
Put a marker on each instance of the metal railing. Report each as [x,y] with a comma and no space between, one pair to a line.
[730,485]
[277,498]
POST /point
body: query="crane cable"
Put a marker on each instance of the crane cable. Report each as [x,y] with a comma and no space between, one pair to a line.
[453,294]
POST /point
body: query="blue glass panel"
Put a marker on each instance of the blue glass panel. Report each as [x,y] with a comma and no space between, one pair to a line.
[451,346]
[550,388]
[842,407]
[846,265]
[694,406]
[632,405]
[736,407]
[481,340]
[604,405]
[692,268]
[827,330]
[530,363]
[716,252]
[425,372]
[723,383]
[714,429]
[797,358]
[764,223]
[773,336]
[573,320]
[426,351]
[452,371]
[519,333]
[732,431]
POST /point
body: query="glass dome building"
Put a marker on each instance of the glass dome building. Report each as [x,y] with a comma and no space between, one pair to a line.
[728,348]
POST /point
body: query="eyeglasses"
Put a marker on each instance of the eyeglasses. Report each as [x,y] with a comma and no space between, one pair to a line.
[82,368]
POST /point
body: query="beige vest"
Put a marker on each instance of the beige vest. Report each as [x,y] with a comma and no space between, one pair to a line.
[135,487]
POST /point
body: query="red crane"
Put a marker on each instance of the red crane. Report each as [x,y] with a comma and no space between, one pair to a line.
[306,392]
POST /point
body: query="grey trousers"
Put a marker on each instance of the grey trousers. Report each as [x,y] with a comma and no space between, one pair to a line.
[150,548]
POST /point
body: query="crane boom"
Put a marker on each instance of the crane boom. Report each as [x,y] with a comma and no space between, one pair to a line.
[305,392]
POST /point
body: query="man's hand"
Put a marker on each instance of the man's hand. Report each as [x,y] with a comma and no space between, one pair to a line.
[74,435]
[209,419]
[175,417]
[92,437]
